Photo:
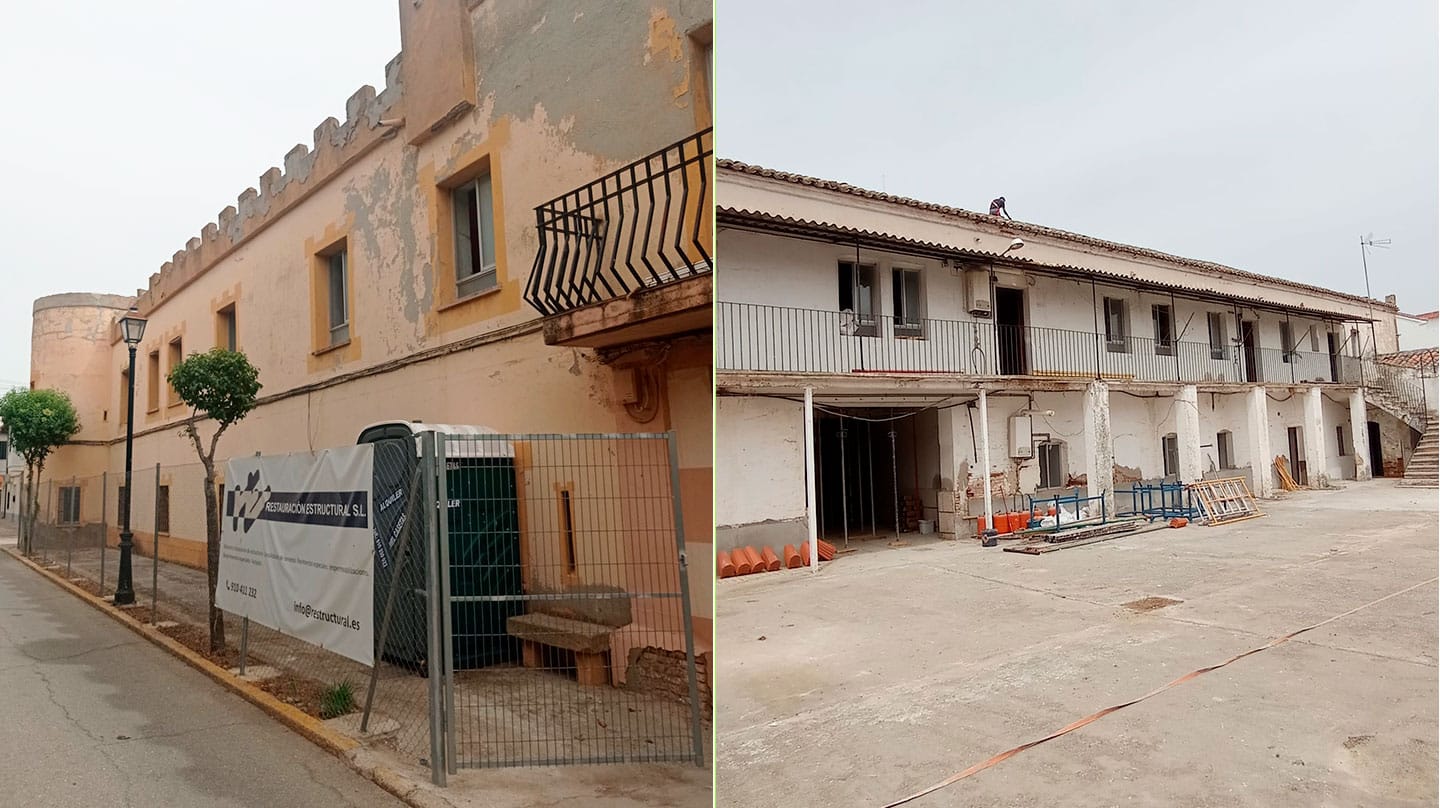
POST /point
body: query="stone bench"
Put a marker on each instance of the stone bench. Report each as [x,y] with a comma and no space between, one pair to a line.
[589,641]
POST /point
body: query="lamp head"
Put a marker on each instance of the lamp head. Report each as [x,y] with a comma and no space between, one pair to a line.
[132,327]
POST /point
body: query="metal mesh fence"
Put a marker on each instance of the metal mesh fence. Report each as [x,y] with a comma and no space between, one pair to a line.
[572,638]
[568,620]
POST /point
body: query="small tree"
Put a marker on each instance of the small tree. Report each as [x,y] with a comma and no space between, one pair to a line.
[38,421]
[220,385]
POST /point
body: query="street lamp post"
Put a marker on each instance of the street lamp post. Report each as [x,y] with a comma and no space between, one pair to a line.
[132,329]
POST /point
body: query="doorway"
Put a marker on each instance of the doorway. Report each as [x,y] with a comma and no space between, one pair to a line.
[1252,356]
[1377,458]
[1010,331]
[1297,455]
[1332,341]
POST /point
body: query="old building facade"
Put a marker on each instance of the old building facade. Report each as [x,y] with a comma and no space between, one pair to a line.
[943,350]
[418,261]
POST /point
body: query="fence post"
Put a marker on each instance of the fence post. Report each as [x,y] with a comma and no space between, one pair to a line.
[104,525]
[433,656]
[70,538]
[695,735]
[447,629]
[155,551]
[244,642]
[49,511]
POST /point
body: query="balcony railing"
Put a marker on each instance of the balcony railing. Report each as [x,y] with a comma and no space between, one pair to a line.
[761,338]
[646,225]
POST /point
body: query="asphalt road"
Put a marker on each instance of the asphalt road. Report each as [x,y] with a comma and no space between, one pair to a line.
[91,714]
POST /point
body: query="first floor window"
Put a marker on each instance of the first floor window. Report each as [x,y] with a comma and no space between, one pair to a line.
[906,294]
[1052,464]
[1340,440]
[1164,329]
[1216,321]
[1117,326]
[857,295]
[1225,450]
[338,283]
[474,237]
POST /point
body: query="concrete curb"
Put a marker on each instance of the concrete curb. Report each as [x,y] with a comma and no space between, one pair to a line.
[312,729]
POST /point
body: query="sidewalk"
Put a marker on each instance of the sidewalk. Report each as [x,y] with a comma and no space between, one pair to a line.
[401,739]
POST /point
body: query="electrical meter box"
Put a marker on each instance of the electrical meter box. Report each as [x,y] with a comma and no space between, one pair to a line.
[1022,441]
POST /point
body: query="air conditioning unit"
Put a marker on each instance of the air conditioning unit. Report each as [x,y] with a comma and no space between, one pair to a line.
[1022,437]
[977,292]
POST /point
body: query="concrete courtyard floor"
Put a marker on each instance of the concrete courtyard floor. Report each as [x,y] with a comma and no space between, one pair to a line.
[891,669]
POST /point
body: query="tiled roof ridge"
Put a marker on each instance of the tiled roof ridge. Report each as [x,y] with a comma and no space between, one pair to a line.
[1034,229]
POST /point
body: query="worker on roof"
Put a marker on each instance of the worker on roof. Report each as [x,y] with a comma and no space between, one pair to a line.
[997,207]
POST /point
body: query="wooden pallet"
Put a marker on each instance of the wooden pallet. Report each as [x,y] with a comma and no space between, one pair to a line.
[1287,482]
[1224,501]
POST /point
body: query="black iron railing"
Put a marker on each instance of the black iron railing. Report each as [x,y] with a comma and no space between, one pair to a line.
[762,338]
[643,226]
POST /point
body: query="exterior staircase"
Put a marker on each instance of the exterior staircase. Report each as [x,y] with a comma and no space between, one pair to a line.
[1423,470]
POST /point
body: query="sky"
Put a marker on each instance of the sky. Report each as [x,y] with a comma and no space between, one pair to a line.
[130,126]
[1265,136]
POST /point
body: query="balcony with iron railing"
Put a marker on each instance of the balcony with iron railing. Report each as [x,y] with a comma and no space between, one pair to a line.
[775,339]
[628,256]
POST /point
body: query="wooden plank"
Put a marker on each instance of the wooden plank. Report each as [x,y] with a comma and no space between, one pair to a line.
[1037,548]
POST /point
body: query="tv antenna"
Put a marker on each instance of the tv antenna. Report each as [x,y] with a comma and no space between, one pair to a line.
[1369,242]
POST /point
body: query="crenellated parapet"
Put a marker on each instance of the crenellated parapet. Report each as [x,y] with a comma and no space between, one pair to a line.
[335,146]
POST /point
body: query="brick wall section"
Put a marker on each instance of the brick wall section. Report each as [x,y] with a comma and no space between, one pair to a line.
[661,672]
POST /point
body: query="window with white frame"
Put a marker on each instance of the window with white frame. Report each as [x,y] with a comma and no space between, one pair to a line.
[1052,464]
[1117,326]
[905,290]
[1216,321]
[1164,318]
[474,237]
[1287,342]
[857,297]
[1225,449]
[338,288]
[1340,440]
[1314,340]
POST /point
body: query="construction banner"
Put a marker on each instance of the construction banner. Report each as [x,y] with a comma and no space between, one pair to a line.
[297,550]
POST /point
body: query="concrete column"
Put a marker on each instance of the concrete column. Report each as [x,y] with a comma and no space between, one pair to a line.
[985,459]
[948,520]
[1187,433]
[1099,445]
[811,513]
[1315,467]
[1261,460]
[1360,435]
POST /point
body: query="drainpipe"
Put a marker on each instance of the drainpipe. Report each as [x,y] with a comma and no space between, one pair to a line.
[810,515]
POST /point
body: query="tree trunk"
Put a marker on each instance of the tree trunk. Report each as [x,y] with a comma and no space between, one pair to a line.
[34,515]
[212,556]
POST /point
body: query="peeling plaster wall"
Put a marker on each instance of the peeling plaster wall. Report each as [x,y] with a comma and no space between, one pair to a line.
[1223,411]
[562,99]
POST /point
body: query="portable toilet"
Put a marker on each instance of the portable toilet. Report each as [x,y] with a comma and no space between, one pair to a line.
[483,524]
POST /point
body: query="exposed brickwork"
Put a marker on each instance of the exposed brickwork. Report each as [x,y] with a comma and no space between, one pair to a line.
[658,671]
